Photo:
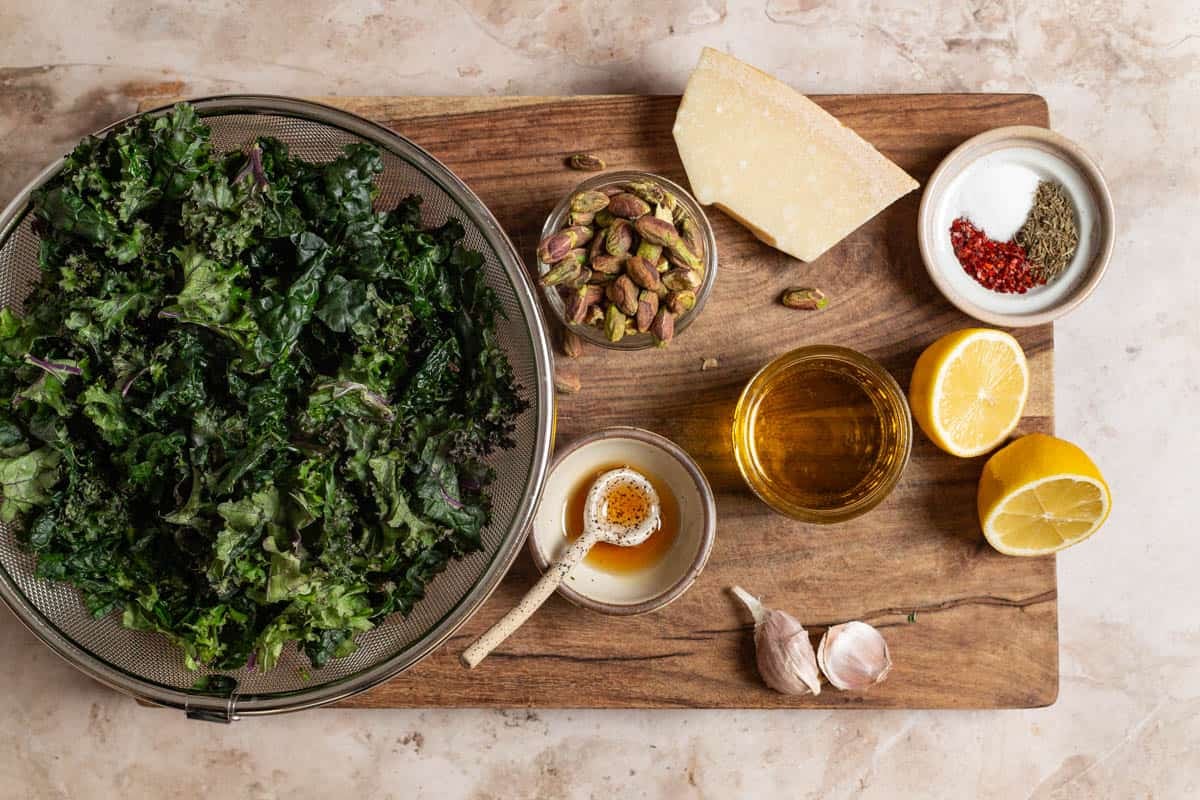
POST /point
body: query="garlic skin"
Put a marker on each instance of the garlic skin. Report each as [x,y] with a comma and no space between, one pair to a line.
[786,660]
[854,656]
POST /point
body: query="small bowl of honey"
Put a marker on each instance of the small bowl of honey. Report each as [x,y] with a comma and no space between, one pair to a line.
[822,433]
[645,577]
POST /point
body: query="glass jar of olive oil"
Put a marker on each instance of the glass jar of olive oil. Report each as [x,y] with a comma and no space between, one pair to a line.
[822,433]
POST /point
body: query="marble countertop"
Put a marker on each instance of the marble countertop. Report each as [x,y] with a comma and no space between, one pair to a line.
[1122,78]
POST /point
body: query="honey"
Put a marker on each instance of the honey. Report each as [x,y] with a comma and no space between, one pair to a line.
[623,505]
[626,505]
[822,433]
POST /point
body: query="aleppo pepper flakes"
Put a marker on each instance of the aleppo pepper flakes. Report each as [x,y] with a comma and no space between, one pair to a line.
[998,266]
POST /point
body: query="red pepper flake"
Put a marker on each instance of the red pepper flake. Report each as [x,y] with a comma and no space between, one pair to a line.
[999,266]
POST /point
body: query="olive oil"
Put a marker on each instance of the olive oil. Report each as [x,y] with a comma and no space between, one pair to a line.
[624,505]
[822,433]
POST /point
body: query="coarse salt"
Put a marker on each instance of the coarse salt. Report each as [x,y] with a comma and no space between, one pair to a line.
[998,197]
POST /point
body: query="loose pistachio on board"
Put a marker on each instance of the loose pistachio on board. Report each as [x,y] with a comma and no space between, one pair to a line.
[804,299]
[586,162]
[566,381]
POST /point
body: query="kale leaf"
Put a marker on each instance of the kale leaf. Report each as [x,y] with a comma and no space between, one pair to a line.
[246,407]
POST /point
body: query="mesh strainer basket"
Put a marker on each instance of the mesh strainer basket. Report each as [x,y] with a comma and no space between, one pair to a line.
[149,667]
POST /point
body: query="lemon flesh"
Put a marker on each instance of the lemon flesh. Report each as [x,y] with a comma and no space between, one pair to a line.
[968,390]
[1039,495]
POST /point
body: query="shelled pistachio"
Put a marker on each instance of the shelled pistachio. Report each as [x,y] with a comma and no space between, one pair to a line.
[647,310]
[663,327]
[572,345]
[804,299]
[566,270]
[588,202]
[566,381]
[681,279]
[628,205]
[661,232]
[652,193]
[610,265]
[618,238]
[624,295]
[586,162]
[576,309]
[614,323]
[690,231]
[648,251]
[554,248]
[642,272]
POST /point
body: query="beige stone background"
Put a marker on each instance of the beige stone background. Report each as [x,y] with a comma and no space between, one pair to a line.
[1122,78]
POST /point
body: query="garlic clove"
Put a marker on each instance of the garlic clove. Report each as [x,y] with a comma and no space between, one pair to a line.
[854,656]
[785,656]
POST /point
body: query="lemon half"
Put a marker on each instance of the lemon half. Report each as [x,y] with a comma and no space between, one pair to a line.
[1039,495]
[968,390]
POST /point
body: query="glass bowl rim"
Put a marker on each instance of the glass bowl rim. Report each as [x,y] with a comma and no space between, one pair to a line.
[554,223]
[891,386]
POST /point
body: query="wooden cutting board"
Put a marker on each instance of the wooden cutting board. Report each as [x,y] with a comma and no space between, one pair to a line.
[967,627]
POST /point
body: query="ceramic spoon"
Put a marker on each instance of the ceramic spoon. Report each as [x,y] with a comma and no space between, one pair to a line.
[597,527]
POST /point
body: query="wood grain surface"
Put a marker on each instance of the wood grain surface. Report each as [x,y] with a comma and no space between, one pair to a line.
[967,627]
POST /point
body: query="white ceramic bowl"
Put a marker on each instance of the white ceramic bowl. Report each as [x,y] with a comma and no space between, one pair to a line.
[655,585]
[1050,156]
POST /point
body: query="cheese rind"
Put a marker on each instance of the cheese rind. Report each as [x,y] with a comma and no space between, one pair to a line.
[798,178]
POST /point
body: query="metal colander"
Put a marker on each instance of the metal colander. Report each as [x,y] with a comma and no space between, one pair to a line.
[146,664]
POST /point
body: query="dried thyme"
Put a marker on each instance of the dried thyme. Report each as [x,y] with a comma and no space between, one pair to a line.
[1050,233]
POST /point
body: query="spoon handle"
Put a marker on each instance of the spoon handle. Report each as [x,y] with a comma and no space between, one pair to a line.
[532,601]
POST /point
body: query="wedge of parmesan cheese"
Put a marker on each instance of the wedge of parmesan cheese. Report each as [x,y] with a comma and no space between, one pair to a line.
[776,161]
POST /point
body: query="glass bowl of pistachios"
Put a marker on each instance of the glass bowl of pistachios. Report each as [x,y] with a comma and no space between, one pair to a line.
[627,260]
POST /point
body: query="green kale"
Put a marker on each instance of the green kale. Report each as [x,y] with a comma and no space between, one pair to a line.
[246,407]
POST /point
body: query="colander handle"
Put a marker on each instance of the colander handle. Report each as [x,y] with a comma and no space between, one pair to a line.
[551,578]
